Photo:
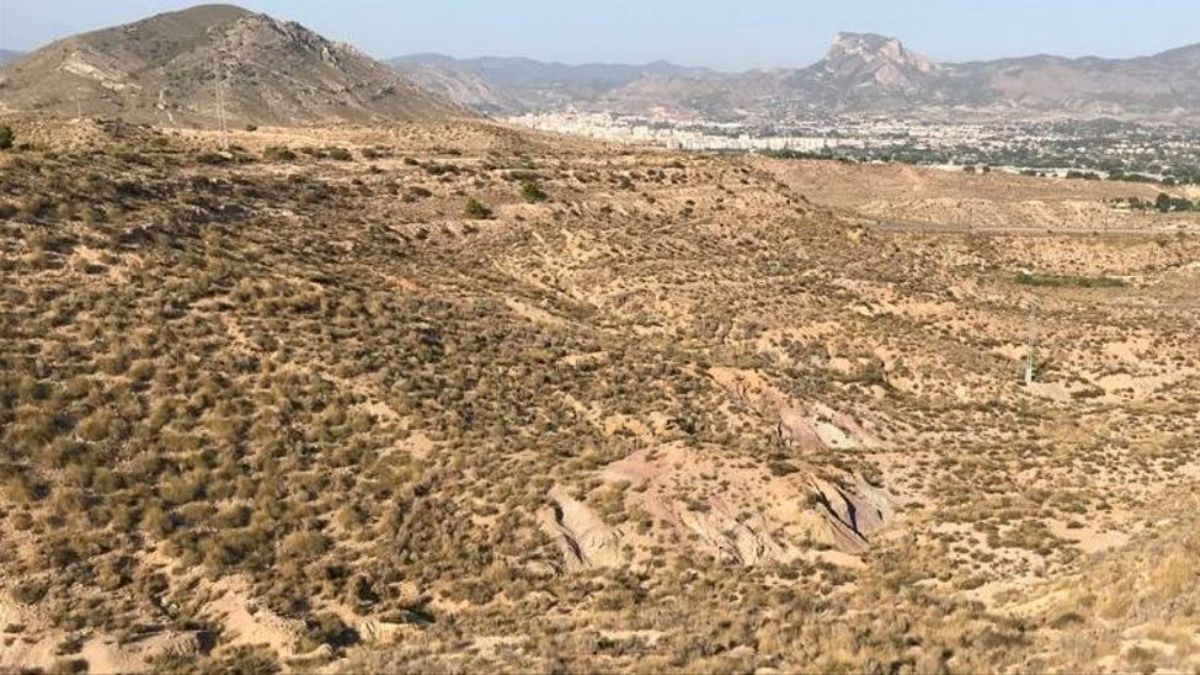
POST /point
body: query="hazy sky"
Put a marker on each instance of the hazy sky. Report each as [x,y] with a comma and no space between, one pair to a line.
[728,34]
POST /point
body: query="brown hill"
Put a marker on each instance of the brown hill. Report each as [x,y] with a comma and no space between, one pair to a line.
[164,70]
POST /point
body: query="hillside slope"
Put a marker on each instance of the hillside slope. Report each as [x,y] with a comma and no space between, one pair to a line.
[664,413]
[164,70]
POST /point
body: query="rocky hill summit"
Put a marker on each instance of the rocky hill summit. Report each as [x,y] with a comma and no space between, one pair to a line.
[858,58]
[190,67]
[860,70]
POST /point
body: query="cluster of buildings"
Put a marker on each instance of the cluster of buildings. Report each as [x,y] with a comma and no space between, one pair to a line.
[668,134]
[1096,145]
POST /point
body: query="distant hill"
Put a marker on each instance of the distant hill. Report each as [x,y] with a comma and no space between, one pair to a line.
[7,55]
[865,71]
[516,83]
[163,69]
[443,76]
[1161,82]
[860,72]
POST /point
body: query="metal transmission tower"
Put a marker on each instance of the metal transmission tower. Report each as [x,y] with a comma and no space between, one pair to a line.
[220,100]
[1031,342]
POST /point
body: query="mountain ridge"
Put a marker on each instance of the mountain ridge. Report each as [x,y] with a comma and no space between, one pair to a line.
[859,72]
[164,69]
[506,84]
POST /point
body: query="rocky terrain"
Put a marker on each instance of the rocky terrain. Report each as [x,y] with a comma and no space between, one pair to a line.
[447,396]
[436,394]
[171,68]
[861,72]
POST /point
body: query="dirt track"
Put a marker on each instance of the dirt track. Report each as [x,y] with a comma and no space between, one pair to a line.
[1081,230]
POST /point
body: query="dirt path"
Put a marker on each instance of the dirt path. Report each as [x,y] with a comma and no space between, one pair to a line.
[1033,231]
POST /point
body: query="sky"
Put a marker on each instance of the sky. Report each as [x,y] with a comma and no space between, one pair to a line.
[728,35]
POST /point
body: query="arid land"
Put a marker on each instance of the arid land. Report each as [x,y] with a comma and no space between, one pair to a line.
[291,404]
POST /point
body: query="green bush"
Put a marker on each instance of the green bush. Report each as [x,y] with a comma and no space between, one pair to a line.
[304,543]
[29,593]
[6,137]
[212,158]
[279,153]
[476,209]
[531,192]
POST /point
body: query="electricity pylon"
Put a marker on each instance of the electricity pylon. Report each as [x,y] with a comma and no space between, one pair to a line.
[220,100]
[1031,342]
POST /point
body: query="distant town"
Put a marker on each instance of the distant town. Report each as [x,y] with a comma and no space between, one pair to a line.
[1101,148]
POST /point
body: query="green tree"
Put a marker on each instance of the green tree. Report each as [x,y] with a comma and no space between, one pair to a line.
[6,137]
[1163,202]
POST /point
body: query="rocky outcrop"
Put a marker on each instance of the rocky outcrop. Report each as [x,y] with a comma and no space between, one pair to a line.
[853,510]
[580,533]
[696,501]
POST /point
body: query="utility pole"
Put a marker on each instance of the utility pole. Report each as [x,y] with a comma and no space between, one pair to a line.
[220,100]
[1031,342]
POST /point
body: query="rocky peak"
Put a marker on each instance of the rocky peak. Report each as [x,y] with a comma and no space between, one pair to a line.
[868,56]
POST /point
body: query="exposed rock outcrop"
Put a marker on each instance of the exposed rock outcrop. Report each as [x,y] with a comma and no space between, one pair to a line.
[695,501]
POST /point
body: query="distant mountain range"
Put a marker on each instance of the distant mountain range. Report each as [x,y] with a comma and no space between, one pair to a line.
[860,72]
[500,84]
[7,55]
[164,70]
